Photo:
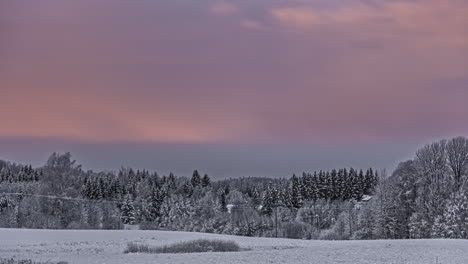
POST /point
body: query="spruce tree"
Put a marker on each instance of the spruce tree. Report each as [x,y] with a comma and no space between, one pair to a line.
[154,203]
[296,192]
[128,211]
[205,182]
[222,199]
[196,179]
[188,189]
[269,200]
[334,193]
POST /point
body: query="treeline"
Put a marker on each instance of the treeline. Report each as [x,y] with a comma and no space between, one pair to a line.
[425,197]
[326,185]
[65,196]
[18,173]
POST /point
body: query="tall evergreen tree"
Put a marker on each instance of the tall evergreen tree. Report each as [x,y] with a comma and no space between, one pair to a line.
[222,199]
[128,211]
[269,200]
[296,192]
[205,181]
[196,179]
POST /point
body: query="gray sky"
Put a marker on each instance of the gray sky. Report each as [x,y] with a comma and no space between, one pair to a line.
[218,160]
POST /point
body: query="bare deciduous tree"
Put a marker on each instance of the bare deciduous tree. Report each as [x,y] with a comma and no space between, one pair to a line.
[457,158]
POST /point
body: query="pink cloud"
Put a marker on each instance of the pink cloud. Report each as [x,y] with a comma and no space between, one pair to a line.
[251,24]
[152,71]
[300,16]
[442,21]
[224,8]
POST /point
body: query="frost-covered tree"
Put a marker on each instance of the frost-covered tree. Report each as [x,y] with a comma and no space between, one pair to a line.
[457,158]
[455,219]
[196,179]
[152,208]
[222,199]
[61,175]
[188,189]
[366,223]
[405,194]
[128,211]
[205,181]
[296,192]
[434,186]
[269,201]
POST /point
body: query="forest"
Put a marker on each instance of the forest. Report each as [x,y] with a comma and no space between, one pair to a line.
[424,197]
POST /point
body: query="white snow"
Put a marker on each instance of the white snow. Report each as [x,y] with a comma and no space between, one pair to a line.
[93,246]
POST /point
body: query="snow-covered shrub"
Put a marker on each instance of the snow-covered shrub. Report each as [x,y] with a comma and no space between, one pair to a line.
[296,230]
[200,245]
[339,230]
[419,227]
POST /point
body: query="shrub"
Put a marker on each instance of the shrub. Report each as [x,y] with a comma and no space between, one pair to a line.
[339,230]
[196,246]
[26,261]
[296,230]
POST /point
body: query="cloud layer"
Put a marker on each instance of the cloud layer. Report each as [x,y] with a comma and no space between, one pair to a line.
[240,71]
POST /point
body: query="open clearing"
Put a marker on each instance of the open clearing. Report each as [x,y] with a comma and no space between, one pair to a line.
[96,246]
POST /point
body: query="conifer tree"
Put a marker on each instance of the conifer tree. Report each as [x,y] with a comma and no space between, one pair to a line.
[222,199]
[269,200]
[333,185]
[196,179]
[188,189]
[296,193]
[205,182]
[128,211]
[154,203]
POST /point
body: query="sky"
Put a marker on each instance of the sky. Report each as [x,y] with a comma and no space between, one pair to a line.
[232,88]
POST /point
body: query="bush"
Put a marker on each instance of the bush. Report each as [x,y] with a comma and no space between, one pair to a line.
[196,246]
[339,230]
[296,230]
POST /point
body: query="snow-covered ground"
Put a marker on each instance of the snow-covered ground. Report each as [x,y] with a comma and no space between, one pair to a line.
[92,246]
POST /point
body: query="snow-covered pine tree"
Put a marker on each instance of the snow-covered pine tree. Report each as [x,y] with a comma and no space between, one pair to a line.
[269,200]
[333,185]
[153,204]
[306,186]
[347,187]
[205,181]
[315,195]
[222,199]
[128,211]
[188,189]
[196,179]
[255,197]
[296,192]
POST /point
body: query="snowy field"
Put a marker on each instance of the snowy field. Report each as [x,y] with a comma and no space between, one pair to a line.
[90,246]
